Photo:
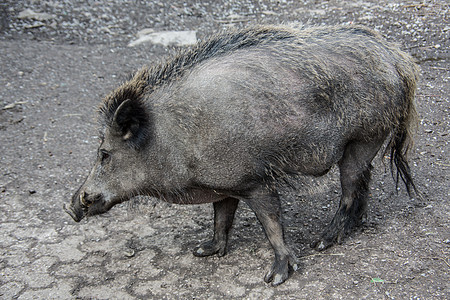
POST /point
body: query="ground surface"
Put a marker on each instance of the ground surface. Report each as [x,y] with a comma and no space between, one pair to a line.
[54,71]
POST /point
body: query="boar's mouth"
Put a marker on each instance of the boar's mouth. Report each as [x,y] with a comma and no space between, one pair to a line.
[82,207]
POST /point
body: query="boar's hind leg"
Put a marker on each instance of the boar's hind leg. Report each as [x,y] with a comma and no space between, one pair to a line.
[268,211]
[223,220]
[354,170]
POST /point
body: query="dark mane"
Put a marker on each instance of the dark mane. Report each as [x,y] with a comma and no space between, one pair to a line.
[148,79]
[215,46]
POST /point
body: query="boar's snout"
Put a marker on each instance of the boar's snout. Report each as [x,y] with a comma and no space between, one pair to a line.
[78,207]
[84,204]
[76,213]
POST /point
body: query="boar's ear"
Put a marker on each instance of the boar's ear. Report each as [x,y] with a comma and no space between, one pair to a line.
[130,121]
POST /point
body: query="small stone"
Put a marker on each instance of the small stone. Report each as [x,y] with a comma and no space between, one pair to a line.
[144,32]
[129,252]
[167,38]
[29,14]
[32,192]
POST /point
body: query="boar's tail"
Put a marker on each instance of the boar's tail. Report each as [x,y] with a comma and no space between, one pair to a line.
[402,134]
[399,146]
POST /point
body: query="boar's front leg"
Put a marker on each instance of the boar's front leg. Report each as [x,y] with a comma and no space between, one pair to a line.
[223,220]
[267,208]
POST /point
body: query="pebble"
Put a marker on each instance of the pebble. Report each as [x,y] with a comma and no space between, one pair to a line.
[166,38]
[29,14]
[129,253]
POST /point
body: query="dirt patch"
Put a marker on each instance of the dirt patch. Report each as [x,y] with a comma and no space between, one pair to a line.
[55,70]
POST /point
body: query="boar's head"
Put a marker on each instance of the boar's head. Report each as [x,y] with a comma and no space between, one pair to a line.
[119,169]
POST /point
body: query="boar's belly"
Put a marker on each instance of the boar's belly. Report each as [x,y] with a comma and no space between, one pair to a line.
[194,196]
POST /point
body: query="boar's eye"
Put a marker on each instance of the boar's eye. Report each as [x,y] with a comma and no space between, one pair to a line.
[104,155]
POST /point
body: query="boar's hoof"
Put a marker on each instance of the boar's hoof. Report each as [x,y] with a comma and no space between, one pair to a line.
[340,227]
[331,236]
[279,272]
[210,248]
[322,244]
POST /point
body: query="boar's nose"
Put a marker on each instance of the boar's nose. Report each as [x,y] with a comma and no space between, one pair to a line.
[77,206]
[75,212]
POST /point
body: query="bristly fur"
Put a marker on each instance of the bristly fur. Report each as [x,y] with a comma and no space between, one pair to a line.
[402,135]
[148,79]
[215,46]
[133,90]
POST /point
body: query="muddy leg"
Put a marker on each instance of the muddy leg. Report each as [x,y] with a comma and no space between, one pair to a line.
[268,211]
[223,220]
[355,170]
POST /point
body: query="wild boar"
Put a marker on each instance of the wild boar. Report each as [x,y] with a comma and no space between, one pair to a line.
[231,118]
